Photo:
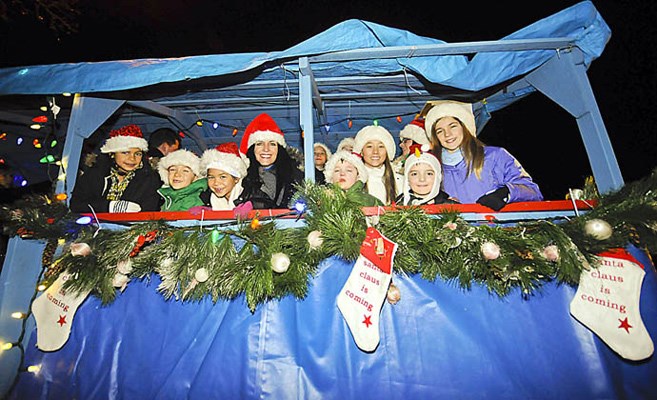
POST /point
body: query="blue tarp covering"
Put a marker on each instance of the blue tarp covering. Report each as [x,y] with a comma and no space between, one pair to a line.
[438,342]
[580,22]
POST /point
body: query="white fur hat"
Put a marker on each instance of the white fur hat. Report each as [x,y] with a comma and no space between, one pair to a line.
[348,141]
[124,139]
[263,127]
[178,157]
[415,131]
[450,108]
[225,157]
[325,147]
[350,157]
[375,132]
[421,154]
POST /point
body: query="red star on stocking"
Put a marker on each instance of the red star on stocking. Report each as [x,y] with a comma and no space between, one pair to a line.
[625,325]
[367,321]
[62,320]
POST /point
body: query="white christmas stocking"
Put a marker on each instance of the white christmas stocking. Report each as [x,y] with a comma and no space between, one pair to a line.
[607,302]
[362,296]
[53,312]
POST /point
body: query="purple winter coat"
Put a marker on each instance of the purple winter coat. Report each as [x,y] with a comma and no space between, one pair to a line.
[500,169]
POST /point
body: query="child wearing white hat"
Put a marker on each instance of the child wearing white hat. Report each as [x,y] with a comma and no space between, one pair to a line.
[321,155]
[347,171]
[412,133]
[224,168]
[377,147]
[472,171]
[183,184]
[346,144]
[120,180]
[422,179]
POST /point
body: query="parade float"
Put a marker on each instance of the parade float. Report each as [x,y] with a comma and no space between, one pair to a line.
[552,299]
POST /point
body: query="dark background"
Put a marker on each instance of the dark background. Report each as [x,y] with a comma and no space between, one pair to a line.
[541,135]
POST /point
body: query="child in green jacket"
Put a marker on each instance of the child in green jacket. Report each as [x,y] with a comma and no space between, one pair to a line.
[347,171]
[183,184]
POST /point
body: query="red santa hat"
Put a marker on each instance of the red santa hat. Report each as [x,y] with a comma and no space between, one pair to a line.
[262,128]
[124,139]
[450,108]
[352,158]
[415,131]
[225,157]
[178,157]
[375,132]
[421,154]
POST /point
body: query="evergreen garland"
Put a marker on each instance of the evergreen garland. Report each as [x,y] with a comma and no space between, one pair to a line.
[228,261]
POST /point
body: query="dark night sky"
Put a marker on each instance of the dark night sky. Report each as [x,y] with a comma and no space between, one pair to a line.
[535,130]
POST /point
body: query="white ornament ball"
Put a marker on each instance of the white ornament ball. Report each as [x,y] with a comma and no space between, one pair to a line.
[393,295]
[551,253]
[120,281]
[201,275]
[450,225]
[457,243]
[80,249]
[315,240]
[280,262]
[598,229]
[490,250]
[124,266]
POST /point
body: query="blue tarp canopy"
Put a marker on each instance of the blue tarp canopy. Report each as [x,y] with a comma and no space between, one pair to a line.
[327,86]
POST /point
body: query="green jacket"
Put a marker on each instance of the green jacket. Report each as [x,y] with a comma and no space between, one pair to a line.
[185,198]
[357,194]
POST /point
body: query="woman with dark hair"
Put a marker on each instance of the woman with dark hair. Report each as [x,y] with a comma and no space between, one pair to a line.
[272,173]
[120,180]
[474,172]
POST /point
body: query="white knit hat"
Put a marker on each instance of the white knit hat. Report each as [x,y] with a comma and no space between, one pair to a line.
[449,108]
[325,147]
[124,139]
[375,132]
[178,157]
[262,128]
[350,157]
[415,131]
[348,141]
[421,154]
[225,157]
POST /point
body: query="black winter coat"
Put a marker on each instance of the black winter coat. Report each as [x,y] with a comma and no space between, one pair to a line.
[93,185]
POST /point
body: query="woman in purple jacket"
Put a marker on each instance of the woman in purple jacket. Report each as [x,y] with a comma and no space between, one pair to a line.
[474,172]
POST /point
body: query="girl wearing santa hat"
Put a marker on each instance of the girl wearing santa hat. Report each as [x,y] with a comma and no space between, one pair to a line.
[422,179]
[183,184]
[347,171]
[412,134]
[474,172]
[272,174]
[225,168]
[377,147]
[120,180]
